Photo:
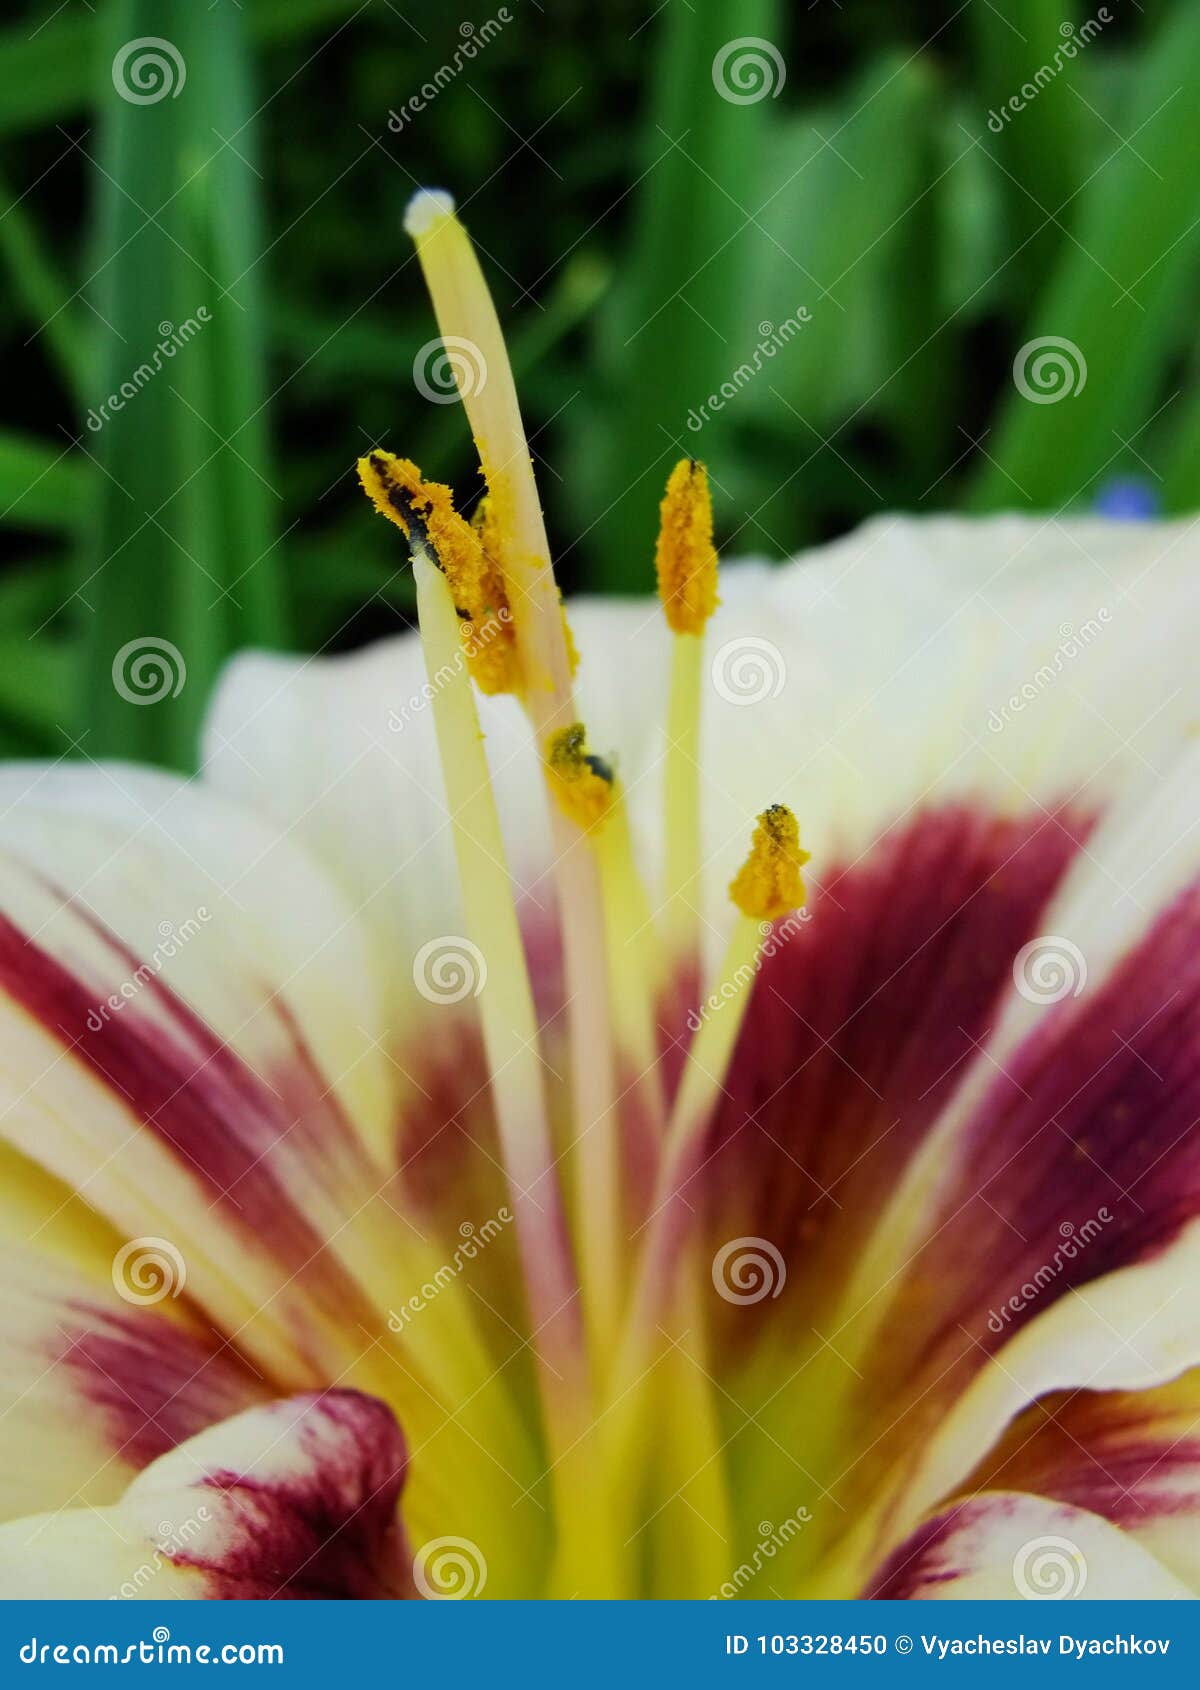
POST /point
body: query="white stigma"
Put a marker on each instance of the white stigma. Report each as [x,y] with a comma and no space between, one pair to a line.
[425,208]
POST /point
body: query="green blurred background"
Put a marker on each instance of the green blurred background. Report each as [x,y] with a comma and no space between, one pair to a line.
[647,236]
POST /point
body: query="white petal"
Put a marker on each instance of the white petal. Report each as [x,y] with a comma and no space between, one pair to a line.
[852,684]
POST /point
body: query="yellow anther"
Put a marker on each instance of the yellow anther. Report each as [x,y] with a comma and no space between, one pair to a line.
[471,567]
[581,783]
[769,882]
[685,557]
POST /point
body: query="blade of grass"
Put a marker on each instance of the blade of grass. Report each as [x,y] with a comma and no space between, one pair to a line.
[182,544]
[36,682]
[42,486]
[41,289]
[1121,293]
[1036,146]
[677,305]
[50,72]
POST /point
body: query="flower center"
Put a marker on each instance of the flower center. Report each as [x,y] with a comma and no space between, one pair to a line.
[491,616]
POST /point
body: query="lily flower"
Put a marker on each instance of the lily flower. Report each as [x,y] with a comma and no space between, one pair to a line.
[702,1102]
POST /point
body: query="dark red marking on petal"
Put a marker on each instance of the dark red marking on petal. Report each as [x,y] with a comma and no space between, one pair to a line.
[329,1529]
[927,1558]
[1132,1457]
[1083,1156]
[155,1383]
[226,1123]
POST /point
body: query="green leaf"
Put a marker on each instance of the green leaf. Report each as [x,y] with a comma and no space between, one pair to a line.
[1121,295]
[182,547]
[41,290]
[43,486]
[841,202]
[1035,148]
[53,71]
[37,682]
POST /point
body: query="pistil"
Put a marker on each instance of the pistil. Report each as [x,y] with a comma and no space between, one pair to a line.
[467,318]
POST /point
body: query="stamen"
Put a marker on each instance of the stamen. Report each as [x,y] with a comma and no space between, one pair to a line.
[635,971]
[693,1440]
[769,878]
[686,562]
[509,1021]
[582,784]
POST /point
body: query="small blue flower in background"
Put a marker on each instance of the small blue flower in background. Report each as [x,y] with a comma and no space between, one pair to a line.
[1128,498]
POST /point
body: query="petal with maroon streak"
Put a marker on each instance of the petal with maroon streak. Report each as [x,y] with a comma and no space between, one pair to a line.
[1131,1456]
[1005,1546]
[861,1024]
[1047,1236]
[91,1387]
[294,1499]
